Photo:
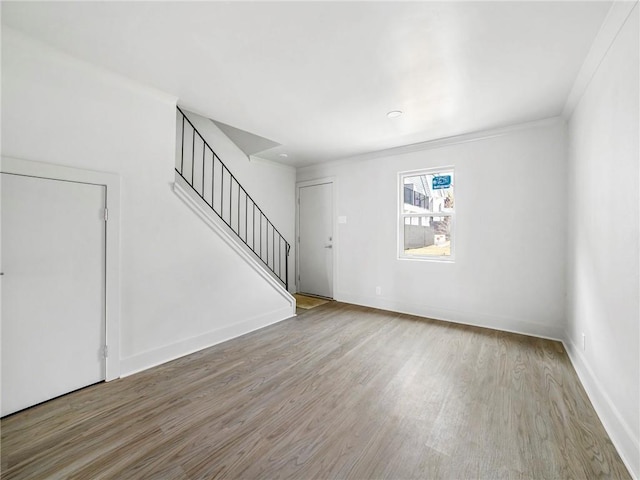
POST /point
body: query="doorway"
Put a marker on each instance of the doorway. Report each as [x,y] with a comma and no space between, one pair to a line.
[53,305]
[60,282]
[315,239]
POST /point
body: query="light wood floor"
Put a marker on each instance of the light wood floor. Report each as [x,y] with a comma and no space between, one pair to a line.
[338,392]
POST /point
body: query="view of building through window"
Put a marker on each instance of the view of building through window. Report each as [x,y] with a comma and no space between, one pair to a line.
[426,213]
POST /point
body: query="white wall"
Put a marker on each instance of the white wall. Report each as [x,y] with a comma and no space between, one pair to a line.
[181,288]
[510,232]
[603,243]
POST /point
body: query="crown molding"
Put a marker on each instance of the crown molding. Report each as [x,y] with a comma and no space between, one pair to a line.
[611,26]
[440,142]
[10,34]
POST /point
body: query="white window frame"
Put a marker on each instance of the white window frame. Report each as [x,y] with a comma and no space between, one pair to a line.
[402,216]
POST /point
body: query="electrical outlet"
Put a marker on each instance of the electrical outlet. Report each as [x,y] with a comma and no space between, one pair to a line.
[378,290]
[584,342]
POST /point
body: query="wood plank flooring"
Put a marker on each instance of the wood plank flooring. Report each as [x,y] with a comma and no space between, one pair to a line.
[340,391]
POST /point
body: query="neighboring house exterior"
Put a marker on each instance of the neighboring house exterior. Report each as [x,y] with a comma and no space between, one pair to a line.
[419,196]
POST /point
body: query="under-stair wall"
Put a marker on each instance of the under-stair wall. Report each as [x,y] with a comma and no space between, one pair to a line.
[182,287]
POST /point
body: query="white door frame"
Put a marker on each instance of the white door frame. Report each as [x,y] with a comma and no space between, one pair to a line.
[111,182]
[336,245]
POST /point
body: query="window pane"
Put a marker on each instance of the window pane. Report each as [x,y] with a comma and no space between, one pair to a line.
[428,192]
[427,236]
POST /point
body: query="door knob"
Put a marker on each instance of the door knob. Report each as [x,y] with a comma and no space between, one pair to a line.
[328,246]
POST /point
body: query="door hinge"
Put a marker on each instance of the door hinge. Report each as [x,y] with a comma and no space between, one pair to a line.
[105,351]
[106,214]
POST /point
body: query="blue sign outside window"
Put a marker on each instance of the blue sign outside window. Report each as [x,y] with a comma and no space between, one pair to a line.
[441,181]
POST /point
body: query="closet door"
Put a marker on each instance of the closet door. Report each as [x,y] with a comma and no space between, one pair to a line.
[53,288]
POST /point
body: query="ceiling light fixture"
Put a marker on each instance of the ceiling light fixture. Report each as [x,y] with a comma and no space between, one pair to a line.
[283,155]
[394,114]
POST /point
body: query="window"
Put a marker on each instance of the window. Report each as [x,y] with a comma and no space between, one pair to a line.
[427,211]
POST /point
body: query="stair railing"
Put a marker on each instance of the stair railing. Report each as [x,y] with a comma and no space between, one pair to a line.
[213,182]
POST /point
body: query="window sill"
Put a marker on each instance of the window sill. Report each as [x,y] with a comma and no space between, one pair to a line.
[447,259]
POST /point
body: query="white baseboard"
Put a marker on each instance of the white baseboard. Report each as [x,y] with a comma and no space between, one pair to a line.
[475,319]
[619,431]
[158,356]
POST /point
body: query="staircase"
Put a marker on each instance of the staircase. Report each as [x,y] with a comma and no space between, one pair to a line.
[204,174]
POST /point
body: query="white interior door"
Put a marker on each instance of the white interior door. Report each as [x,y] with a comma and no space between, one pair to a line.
[315,247]
[53,288]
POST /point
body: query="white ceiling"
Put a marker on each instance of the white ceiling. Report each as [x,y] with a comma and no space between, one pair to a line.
[319,77]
